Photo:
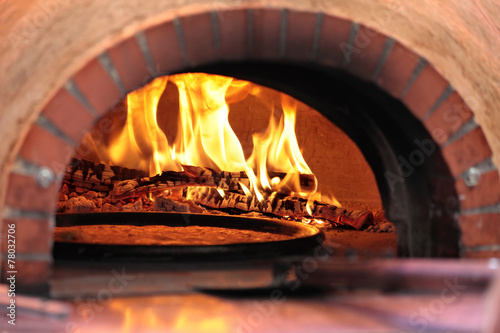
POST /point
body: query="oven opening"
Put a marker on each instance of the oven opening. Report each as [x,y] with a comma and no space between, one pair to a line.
[225,148]
[248,158]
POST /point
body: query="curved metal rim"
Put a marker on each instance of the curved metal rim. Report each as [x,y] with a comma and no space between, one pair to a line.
[305,238]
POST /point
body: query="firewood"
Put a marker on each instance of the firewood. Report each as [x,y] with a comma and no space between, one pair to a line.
[98,177]
[282,207]
[196,176]
[200,185]
[124,183]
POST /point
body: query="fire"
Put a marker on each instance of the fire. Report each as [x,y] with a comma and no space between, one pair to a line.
[142,144]
[204,136]
[277,149]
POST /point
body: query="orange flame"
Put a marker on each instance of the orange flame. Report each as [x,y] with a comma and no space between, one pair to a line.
[204,136]
[141,143]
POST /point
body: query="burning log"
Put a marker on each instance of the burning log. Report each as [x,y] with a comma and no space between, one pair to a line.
[124,183]
[197,176]
[200,185]
[286,207]
[98,177]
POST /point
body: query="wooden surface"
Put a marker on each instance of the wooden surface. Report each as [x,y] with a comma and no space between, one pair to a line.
[491,322]
[343,312]
[115,295]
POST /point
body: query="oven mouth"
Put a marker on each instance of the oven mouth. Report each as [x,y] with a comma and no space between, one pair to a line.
[375,122]
[275,182]
[76,237]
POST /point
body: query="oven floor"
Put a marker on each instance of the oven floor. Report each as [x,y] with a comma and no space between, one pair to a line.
[362,244]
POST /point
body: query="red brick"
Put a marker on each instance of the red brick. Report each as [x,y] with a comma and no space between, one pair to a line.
[24,193]
[448,118]
[466,151]
[334,36]
[425,91]
[485,193]
[44,148]
[266,32]
[164,48]
[69,115]
[300,35]
[31,236]
[199,39]
[97,87]
[129,61]
[370,45]
[481,254]
[480,230]
[32,276]
[397,70]
[232,34]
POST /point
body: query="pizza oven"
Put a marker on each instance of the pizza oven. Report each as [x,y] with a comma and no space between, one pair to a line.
[367,151]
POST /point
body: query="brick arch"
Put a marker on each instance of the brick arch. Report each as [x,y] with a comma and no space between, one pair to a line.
[236,35]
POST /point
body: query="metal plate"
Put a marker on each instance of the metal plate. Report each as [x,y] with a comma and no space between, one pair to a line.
[304,238]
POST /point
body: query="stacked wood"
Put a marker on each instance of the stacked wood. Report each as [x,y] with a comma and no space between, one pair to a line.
[196,176]
[284,207]
[112,188]
[100,177]
[124,183]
